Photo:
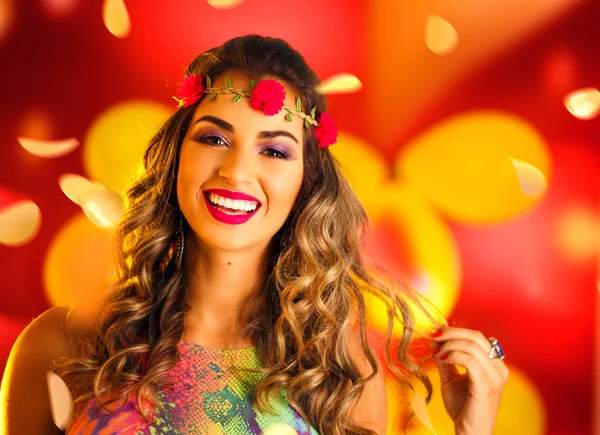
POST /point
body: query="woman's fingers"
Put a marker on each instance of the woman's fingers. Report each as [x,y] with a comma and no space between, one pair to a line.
[462,351]
[450,333]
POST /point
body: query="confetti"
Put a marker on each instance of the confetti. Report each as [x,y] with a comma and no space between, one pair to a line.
[19,223]
[116,18]
[61,401]
[583,103]
[440,35]
[343,83]
[48,148]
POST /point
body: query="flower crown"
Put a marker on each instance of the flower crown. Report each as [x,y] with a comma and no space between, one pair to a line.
[266,95]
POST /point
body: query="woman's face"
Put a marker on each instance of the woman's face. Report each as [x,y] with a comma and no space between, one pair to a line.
[240,170]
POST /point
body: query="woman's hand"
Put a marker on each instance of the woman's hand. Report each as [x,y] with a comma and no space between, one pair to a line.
[471,399]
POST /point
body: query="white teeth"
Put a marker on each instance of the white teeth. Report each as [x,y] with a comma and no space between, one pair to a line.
[234,204]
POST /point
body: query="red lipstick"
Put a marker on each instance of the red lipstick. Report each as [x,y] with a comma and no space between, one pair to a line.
[236,217]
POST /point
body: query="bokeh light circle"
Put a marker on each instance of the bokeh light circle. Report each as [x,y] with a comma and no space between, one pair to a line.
[417,249]
[521,410]
[464,166]
[363,167]
[116,141]
[78,266]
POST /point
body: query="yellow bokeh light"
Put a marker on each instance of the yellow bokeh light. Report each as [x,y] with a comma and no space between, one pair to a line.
[362,165]
[115,143]
[465,167]
[340,84]
[440,36]
[78,267]
[425,239]
[521,410]
[432,253]
[48,148]
[583,103]
[116,18]
[577,234]
[19,223]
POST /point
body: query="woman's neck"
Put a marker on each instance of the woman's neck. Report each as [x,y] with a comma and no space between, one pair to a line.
[222,291]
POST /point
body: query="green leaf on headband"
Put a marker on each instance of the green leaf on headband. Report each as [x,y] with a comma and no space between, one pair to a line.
[208,82]
[211,96]
[253,83]
[288,116]
[298,104]
[237,98]
[313,112]
[228,83]
[305,123]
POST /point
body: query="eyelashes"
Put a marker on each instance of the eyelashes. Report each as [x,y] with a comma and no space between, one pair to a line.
[219,141]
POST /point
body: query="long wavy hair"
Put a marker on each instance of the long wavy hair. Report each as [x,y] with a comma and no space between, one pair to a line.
[313,291]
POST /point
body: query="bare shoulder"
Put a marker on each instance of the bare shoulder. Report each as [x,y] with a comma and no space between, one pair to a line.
[371,408]
[24,393]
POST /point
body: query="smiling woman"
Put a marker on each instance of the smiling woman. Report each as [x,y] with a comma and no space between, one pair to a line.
[239,303]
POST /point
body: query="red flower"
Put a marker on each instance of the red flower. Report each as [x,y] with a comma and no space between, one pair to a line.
[190,91]
[268,96]
[327,131]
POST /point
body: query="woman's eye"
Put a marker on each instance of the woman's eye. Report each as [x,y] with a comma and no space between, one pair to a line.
[276,153]
[212,139]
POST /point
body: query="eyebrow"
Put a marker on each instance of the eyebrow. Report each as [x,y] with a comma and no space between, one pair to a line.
[229,128]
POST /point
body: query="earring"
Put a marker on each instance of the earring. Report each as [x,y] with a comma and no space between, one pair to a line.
[284,247]
[180,243]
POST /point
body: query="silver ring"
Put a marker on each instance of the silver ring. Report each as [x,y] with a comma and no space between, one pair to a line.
[496,352]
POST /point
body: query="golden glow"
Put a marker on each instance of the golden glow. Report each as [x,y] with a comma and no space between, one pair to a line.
[464,166]
[115,143]
[362,165]
[19,223]
[48,148]
[61,401]
[78,267]
[522,407]
[116,18]
[440,36]
[583,103]
[531,179]
[430,248]
[73,185]
[224,4]
[578,234]
[344,83]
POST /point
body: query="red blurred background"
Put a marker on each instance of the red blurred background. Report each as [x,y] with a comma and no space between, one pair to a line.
[524,269]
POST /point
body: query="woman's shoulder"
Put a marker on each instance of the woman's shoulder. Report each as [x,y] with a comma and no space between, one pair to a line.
[47,334]
[24,390]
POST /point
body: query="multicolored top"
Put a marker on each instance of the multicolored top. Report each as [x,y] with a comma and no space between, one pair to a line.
[208,397]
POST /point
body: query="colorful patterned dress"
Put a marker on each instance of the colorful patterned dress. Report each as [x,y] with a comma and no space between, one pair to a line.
[208,397]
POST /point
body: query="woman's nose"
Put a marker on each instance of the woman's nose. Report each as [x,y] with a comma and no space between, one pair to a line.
[239,167]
